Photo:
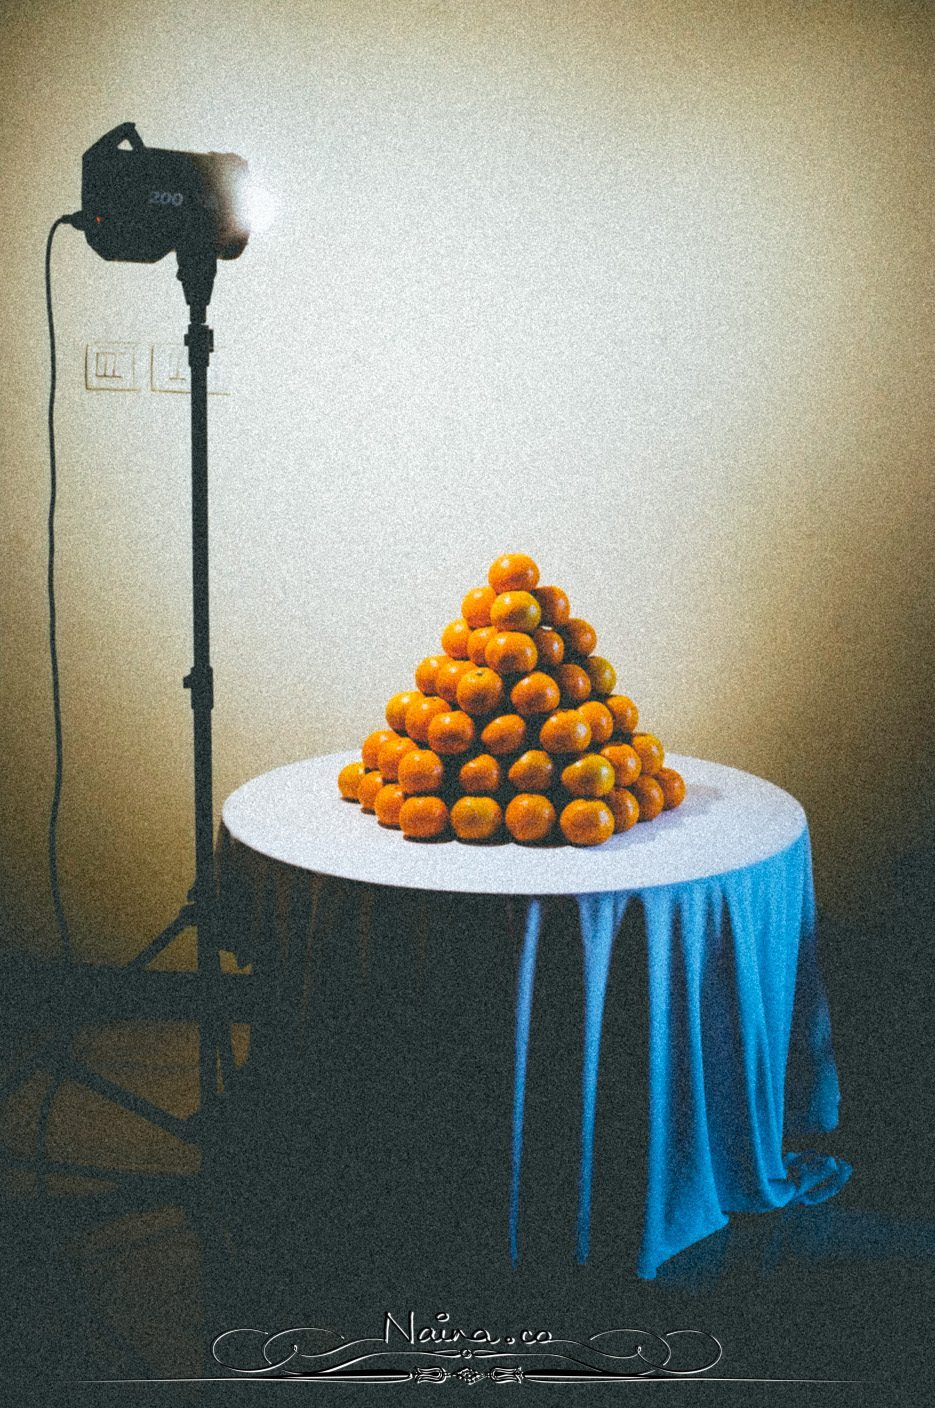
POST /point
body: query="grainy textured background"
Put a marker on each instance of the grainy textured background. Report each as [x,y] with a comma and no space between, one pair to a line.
[644,290]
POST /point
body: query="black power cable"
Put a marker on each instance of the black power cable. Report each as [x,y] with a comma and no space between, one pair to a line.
[65,937]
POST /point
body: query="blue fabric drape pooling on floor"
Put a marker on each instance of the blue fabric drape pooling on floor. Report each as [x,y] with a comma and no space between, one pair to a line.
[739,1050]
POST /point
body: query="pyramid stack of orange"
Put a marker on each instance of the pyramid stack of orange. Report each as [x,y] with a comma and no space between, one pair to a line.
[514,730]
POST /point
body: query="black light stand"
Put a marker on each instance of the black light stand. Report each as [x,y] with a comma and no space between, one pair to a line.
[140,203]
[197,269]
[196,273]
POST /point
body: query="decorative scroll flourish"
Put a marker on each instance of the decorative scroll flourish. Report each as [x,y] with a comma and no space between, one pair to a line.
[453,1354]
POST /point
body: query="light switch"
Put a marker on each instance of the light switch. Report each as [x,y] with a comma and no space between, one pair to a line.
[112,366]
[169,370]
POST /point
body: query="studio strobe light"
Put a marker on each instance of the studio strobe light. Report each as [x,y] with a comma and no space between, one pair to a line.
[140,203]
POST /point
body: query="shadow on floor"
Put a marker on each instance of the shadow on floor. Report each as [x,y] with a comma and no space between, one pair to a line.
[839,1291]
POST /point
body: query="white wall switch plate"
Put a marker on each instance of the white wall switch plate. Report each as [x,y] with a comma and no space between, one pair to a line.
[169,370]
[112,366]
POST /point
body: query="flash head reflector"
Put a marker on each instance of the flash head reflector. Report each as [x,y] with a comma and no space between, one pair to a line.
[140,203]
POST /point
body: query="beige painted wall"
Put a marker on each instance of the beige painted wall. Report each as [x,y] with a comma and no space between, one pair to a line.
[643,289]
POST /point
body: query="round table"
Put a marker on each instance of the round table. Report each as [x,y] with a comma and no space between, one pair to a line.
[713,902]
[729,820]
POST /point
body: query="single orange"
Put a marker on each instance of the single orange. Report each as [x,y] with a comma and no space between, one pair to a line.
[451,733]
[426,671]
[479,775]
[373,743]
[420,771]
[625,807]
[505,734]
[590,776]
[650,797]
[446,681]
[565,731]
[480,691]
[574,683]
[600,718]
[549,646]
[579,635]
[650,750]
[511,653]
[535,694]
[529,817]
[514,572]
[454,639]
[555,605]
[515,611]
[475,608]
[673,787]
[349,780]
[533,771]
[420,714]
[369,786]
[626,715]
[423,818]
[476,818]
[625,762]
[477,643]
[587,822]
[390,754]
[387,802]
[601,673]
[397,706]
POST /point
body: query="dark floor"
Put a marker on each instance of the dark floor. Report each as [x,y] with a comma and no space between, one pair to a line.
[842,1291]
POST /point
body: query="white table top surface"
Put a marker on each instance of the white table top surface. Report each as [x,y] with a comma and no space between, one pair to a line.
[729,819]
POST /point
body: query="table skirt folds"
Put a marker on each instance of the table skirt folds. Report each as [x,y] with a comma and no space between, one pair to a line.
[557,1045]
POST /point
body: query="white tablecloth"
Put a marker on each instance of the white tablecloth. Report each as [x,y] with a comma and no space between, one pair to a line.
[729,820]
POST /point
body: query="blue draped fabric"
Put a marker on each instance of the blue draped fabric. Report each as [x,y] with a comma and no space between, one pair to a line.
[739,1049]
